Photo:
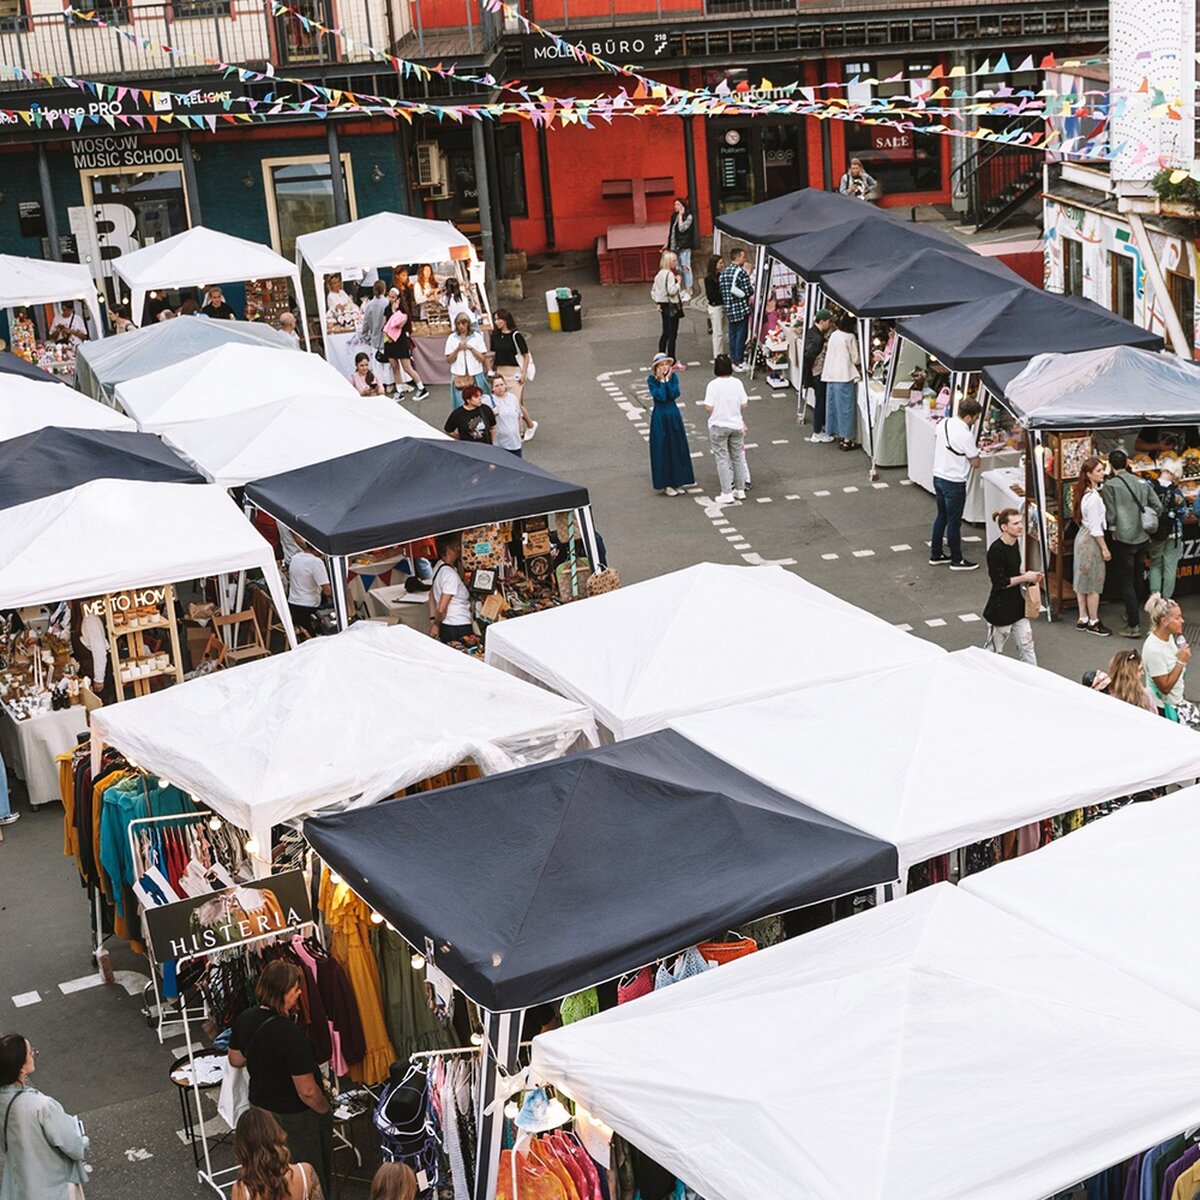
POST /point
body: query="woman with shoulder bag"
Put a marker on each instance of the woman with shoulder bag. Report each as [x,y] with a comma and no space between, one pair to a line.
[716,309]
[43,1146]
[681,241]
[284,1080]
[466,353]
[513,358]
[1091,548]
[667,292]
[841,372]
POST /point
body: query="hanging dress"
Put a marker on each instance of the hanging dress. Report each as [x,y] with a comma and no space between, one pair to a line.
[670,458]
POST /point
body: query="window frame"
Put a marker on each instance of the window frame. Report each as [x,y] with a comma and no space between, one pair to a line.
[268,175]
[1122,268]
[1072,249]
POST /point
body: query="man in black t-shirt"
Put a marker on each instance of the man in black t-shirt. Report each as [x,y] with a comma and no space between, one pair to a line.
[1005,608]
[475,421]
[215,308]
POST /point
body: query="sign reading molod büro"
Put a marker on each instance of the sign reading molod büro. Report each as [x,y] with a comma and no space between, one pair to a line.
[232,915]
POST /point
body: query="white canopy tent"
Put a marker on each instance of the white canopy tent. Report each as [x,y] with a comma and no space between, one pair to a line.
[636,656]
[386,237]
[1123,889]
[27,405]
[919,776]
[113,534]
[41,281]
[931,1049]
[230,379]
[293,432]
[343,722]
[199,257]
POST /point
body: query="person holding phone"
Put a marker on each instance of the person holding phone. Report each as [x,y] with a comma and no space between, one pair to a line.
[1165,654]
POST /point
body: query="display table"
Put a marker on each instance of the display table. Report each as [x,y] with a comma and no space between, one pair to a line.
[920,432]
[31,746]
[998,494]
[400,606]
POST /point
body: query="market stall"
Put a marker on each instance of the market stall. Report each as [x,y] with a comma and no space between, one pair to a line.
[26,406]
[526,887]
[32,292]
[909,788]
[631,656]
[932,1049]
[416,488]
[199,257]
[801,211]
[1069,403]
[100,366]
[372,248]
[289,433]
[13,365]
[347,721]
[229,379]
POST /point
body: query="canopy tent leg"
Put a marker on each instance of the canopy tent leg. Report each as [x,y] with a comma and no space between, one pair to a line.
[864,354]
[339,586]
[590,540]
[1039,484]
[501,1044]
[889,383]
[760,307]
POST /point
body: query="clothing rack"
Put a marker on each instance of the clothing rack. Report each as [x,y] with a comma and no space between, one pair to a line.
[228,1175]
[456,1051]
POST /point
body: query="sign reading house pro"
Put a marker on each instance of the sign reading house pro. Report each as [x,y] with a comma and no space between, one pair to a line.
[225,918]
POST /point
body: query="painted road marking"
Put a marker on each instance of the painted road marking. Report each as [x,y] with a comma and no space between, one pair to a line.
[935,622]
[25,999]
[864,554]
[968,616]
[829,557]
[902,546]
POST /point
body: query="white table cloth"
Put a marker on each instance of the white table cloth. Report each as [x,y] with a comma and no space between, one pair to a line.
[31,746]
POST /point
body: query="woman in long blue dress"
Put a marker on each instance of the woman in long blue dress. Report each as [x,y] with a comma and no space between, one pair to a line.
[670,459]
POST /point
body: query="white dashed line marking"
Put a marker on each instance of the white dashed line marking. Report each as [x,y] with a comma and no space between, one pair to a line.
[905,628]
[751,445]
[719,522]
[849,489]
[906,483]
[935,622]
[779,441]
[864,554]
[81,984]
[25,999]
[820,493]
[791,497]
[968,616]
[763,499]
[829,557]
[902,546]
[879,485]
[741,545]
[970,537]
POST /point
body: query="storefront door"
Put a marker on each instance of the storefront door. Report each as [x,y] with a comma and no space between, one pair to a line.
[125,211]
[752,161]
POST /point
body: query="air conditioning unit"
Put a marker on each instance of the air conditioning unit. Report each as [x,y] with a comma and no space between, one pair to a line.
[431,166]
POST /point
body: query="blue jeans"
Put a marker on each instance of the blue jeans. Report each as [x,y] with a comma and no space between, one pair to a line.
[737,339]
[951,500]
[5,807]
[685,269]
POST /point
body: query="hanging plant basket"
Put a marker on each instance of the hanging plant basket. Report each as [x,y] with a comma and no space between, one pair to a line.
[1181,199]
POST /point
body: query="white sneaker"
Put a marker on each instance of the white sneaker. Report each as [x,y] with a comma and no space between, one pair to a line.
[671,491]
[530,431]
[823,438]
[723,498]
[738,494]
[685,297]
[10,819]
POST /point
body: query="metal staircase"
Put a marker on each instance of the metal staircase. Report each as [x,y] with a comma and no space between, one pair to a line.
[996,182]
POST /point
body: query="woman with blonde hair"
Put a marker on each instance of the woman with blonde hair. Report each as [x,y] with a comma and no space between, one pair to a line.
[394,1181]
[267,1171]
[667,292]
[1166,655]
[1127,682]
[1091,550]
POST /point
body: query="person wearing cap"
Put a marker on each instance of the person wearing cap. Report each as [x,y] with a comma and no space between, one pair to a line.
[813,358]
[670,458]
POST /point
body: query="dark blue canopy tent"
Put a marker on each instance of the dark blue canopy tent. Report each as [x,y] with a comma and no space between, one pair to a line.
[801,211]
[50,460]
[14,364]
[863,239]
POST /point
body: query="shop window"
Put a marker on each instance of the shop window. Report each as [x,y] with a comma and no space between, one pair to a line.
[512,170]
[1183,298]
[300,198]
[1121,271]
[899,159]
[1072,266]
[183,9]
[12,14]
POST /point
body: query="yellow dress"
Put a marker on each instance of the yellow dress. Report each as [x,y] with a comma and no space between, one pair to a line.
[350,921]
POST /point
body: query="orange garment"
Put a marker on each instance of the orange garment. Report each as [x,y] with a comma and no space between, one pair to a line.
[66,792]
[350,920]
[534,1180]
[548,1159]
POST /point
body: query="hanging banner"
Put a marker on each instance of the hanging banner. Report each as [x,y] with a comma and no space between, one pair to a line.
[224,919]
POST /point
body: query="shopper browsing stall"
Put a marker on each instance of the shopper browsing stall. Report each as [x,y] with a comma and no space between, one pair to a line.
[1165,654]
[512,420]
[1091,548]
[266,1170]
[712,296]
[954,455]
[1126,501]
[466,353]
[449,600]
[841,373]
[308,585]
[1166,542]
[813,355]
[736,290]
[1005,608]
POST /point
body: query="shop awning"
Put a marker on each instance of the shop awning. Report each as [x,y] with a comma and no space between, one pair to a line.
[798,212]
[112,534]
[50,460]
[13,364]
[294,432]
[1123,889]
[228,379]
[919,282]
[864,239]
[341,722]
[409,489]
[1015,325]
[1113,388]
[27,405]
[198,257]
[41,281]
[100,366]
[931,1049]
[543,881]
[910,778]
[631,656]
[385,237]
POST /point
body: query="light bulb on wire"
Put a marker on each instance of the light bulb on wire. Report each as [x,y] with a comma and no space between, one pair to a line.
[377,918]
[252,846]
[418,961]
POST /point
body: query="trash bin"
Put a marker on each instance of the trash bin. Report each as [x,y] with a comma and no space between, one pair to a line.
[569,310]
[552,310]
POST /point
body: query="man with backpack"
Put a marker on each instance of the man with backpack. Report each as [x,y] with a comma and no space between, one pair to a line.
[1132,510]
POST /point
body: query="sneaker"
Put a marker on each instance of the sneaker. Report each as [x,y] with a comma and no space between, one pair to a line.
[1099,629]
[402,389]
[530,431]
[1130,631]
[824,438]
[739,494]
[685,297]
[671,491]
[938,560]
[1083,626]
[10,819]
[680,366]
[724,498]
[740,368]
[422,393]
[964,564]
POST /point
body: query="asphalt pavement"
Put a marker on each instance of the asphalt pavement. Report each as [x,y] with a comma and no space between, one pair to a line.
[812,508]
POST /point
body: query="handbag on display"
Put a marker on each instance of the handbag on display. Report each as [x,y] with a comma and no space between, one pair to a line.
[607,580]
[718,953]
[631,987]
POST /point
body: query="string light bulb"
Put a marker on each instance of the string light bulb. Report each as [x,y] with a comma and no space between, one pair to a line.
[335,879]
[214,823]
[252,846]
[377,918]
[418,961]
[512,1110]
[477,1038]
[165,783]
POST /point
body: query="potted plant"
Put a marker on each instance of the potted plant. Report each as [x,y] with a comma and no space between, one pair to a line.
[1180,198]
